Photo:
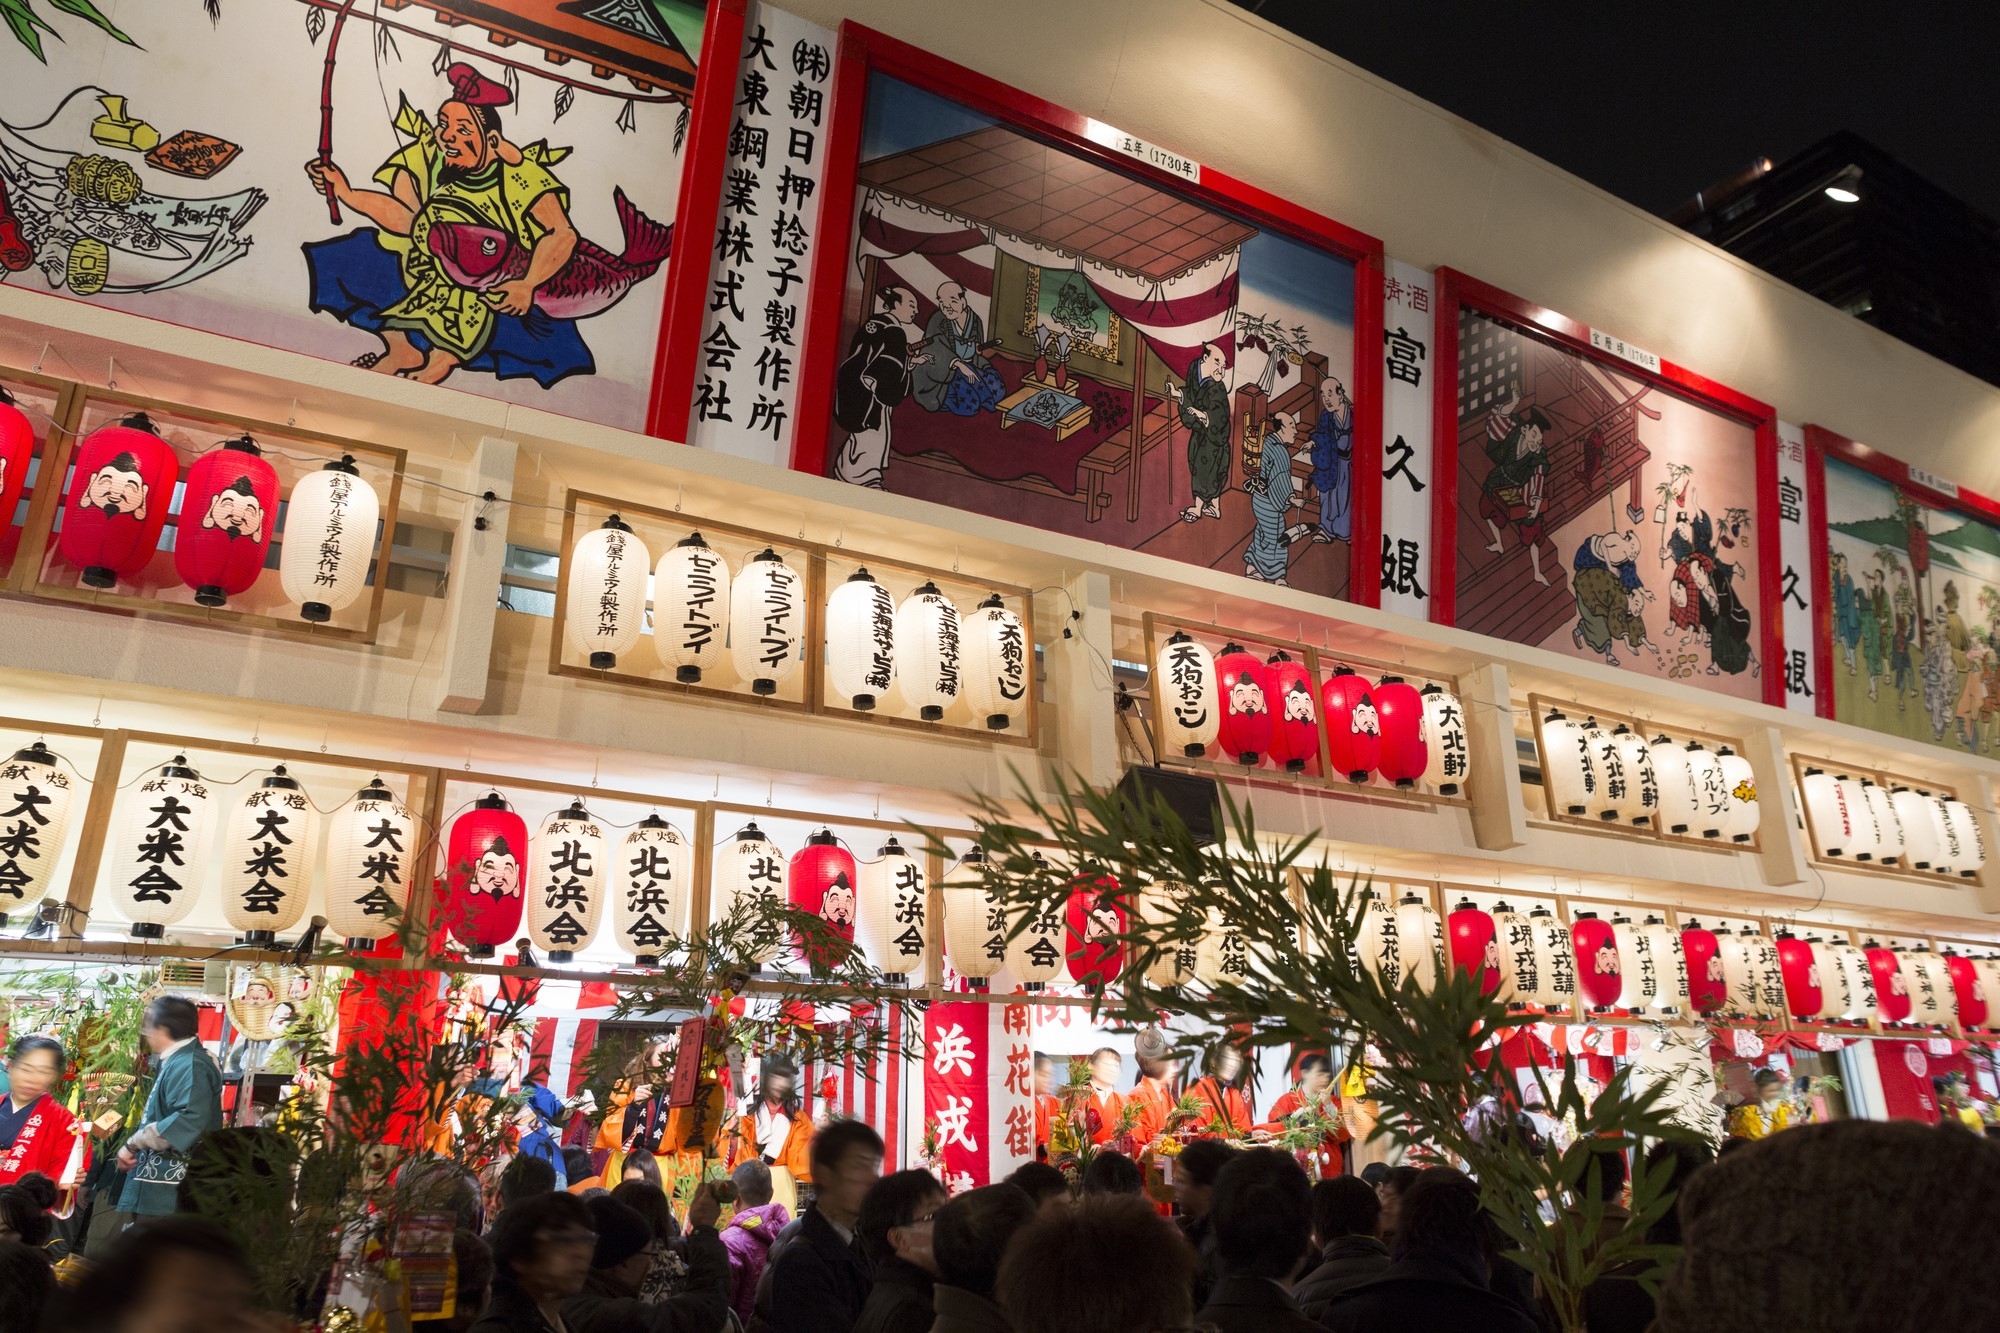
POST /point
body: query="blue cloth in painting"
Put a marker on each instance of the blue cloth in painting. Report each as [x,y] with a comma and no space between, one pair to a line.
[938,384]
[1333,471]
[1270,503]
[1591,556]
[354,279]
[968,398]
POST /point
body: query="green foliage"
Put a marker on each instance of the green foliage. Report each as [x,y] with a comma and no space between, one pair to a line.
[95,1012]
[28,26]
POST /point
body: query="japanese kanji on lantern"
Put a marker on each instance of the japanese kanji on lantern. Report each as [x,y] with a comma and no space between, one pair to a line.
[1669,957]
[1931,999]
[1515,941]
[369,842]
[228,512]
[824,880]
[159,852]
[1378,940]
[1827,817]
[1294,714]
[1860,977]
[1680,801]
[1222,958]
[1399,710]
[1569,769]
[1095,915]
[329,540]
[1766,972]
[1161,908]
[975,923]
[604,593]
[749,884]
[1599,970]
[1641,800]
[566,882]
[1801,979]
[1555,961]
[1247,695]
[17,451]
[1035,943]
[766,615]
[1185,697]
[1860,819]
[1708,985]
[1353,728]
[120,488]
[1914,813]
[1739,784]
[996,664]
[650,883]
[893,910]
[35,801]
[1836,997]
[930,651]
[270,849]
[1608,765]
[1970,855]
[1639,976]
[1475,945]
[1888,824]
[861,640]
[1446,753]
[1711,793]
[690,608]
[484,855]
[1950,849]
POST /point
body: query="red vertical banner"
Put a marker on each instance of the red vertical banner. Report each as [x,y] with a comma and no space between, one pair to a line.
[957,1086]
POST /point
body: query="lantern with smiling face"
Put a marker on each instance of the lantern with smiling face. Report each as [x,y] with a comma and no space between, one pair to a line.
[117,501]
[482,900]
[1353,729]
[1246,731]
[1295,727]
[234,493]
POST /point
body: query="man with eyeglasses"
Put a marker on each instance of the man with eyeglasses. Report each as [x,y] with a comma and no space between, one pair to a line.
[819,1280]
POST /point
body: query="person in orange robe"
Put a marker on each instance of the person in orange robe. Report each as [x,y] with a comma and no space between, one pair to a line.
[1314,1089]
[1154,1093]
[1047,1105]
[1220,1092]
[1105,1066]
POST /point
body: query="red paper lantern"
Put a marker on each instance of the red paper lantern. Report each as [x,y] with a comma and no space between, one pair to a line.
[117,503]
[1598,974]
[825,881]
[1707,991]
[486,854]
[1892,990]
[1353,729]
[17,451]
[1246,705]
[1400,710]
[1802,984]
[1095,915]
[228,510]
[1295,714]
[1469,932]
[1971,995]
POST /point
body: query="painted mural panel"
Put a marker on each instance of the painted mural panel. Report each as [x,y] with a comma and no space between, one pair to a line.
[472,192]
[1601,516]
[1915,595]
[1037,337]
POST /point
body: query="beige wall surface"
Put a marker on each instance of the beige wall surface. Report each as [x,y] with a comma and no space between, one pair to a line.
[1205,78]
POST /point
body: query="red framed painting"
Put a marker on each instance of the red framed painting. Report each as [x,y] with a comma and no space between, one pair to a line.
[1021,312]
[1906,597]
[1595,500]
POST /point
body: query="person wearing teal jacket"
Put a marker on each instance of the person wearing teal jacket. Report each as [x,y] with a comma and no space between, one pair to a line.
[184,1104]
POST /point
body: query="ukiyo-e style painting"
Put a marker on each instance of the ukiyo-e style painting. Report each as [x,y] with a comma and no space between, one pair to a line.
[1040,338]
[1914,607]
[478,194]
[1602,516]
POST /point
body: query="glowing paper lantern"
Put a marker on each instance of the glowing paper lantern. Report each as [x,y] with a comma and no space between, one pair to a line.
[1160,909]
[1185,697]
[1569,769]
[1353,728]
[1514,942]
[825,881]
[35,801]
[1223,955]
[1967,992]
[485,852]
[1641,800]
[1739,785]
[119,492]
[228,511]
[1475,946]
[1769,974]
[1827,815]
[1379,941]
[975,925]
[1711,792]
[566,882]
[1599,970]
[1887,823]
[1951,850]
[996,663]
[1892,987]
[766,612]
[330,523]
[1608,765]
[1708,988]
[1970,856]
[369,842]
[270,847]
[1446,754]
[1400,711]
[1680,802]
[1669,957]
[1834,1000]
[1804,996]
[1920,837]
[1420,936]
[159,853]
[1860,819]
[1035,951]
[1095,916]
[1739,974]
[17,452]
[1860,980]
[929,651]
[861,640]
[690,608]
[1246,688]
[1555,961]
[748,879]
[894,913]
[650,898]
[1295,721]
[1639,976]
[1931,1001]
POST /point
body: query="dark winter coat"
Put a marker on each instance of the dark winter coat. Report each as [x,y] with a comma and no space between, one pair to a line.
[1253,1305]
[1421,1293]
[959,1311]
[1347,1262]
[702,1308]
[899,1302]
[818,1281]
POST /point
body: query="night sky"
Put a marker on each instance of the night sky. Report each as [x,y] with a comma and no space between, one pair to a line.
[1654,102]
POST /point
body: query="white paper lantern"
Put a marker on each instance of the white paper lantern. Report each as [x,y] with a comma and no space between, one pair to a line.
[1970,856]
[1827,817]
[1680,802]
[1569,768]
[766,615]
[1036,947]
[1920,838]
[1835,989]
[1888,823]
[750,870]
[1420,937]
[329,540]
[604,600]
[996,663]
[894,914]
[1379,941]
[1769,974]
[1931,1000]
[1860,819]
[1514,937]
[1859,979]
[1741,809]
[1608,764]
[36,797]
[1447,756]
[1555,961]
[1663,943]
[1742,987]
[930,651]
[860,640]
[270,849]
[1711,791]
[369,843]
[690,608]
[1223,955]
[159,854]
[1639,978]
[975,924]
[650,884]
[1642,785]
[1185,698]
[1987,971]
[566,878]
[1159,907]
[1949,848]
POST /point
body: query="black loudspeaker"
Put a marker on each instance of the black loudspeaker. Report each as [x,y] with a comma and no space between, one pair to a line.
[1191,796]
